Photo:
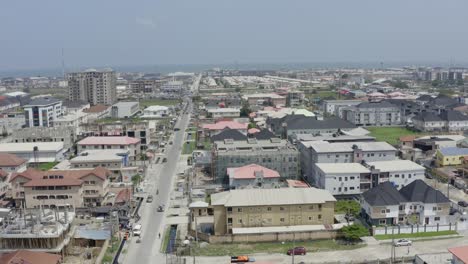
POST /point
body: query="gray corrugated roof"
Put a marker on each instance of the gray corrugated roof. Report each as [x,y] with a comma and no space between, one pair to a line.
[229,134]
[381,104]
[264,134]
[43,101]
[419,191]
[313,123]
[383,194]
[427,117]
[450,115]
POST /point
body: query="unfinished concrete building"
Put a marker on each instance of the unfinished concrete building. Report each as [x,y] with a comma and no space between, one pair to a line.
[44,230]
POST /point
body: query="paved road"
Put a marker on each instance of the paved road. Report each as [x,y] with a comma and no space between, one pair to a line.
[159,177]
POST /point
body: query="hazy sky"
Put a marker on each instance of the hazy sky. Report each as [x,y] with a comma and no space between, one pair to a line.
[135,32]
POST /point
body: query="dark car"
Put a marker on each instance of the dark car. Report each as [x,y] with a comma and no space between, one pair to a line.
[149,199]
[463,203]
[176,129]
[297,251]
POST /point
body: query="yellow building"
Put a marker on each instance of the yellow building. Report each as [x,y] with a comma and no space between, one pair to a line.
[451,156]
[271,207]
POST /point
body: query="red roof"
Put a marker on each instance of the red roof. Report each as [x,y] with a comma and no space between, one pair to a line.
[96,108]
[10,160]
[69,177]
[225,124]
[297,184]
[109,141]
[123,196]
[253,130]
[460,252]
[29,257]
[407,138]
[248,172]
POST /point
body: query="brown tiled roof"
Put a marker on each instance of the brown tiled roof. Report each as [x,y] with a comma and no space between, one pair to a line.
[3,173]
[70,177]
[123,196]
[10,160]
[96,108]
[29,257]
[407,138]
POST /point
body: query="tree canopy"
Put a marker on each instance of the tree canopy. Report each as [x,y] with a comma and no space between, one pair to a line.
[354,232]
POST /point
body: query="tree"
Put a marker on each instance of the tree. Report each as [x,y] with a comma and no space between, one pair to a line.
[460,82]
[136,179]
[354,232]
[345,207]
[345,76]
[435,83]
[245,110]
[400,84]
[251,125]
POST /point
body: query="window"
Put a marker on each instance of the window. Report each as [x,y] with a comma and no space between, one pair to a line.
[281,208]
[439,208]
[240,221]
[346,178]
[434,208]
[339,179]
[382,221]
[397,175]
[268,208]
[319,217]
[229,209]
[229,220]
[436,218]
[383,211]
[281,219]
[239,210]
[310,218]
[311,207]
[351,188]
[351,178]
[388,210]
[320,207]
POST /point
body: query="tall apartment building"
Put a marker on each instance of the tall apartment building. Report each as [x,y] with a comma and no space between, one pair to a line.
[42,112]
[274,154]
[143,86]
[95,87]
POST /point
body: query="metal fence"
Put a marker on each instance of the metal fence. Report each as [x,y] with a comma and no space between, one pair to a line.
[410,229]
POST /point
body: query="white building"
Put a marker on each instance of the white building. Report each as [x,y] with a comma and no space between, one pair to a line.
[125,109]
[224,113]
[37,152]
[172,86]
[398,172]
[72,120]
[42,112]
[156,111]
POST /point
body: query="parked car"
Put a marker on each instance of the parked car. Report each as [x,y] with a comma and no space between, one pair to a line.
[403,242]
[137,230]
[463,203]
[160,208]
[176,129]
[164,160]
[297,251]
[149,199]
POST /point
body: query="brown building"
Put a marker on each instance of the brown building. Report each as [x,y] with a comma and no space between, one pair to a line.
[60,188]
[271,207]
[30,257]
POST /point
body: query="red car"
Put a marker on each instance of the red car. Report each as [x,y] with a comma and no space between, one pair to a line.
[297,251]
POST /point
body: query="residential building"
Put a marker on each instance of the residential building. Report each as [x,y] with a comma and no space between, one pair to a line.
[67,135]
[37,152]
[297,124]
[111,142]
[115,160]
[451,156]
[173,87]
[312,152]
[447,120]
[214,103]
[12,122]
[143,86]
[60,188]
[96,112]
[223,113]
[156,111]
[125,109]
[42,112]
[399,172]
[71,107]
[253,176]
[236,135]
[73,121]
[380,113]
[416,203]
[294,98]
[237,209]
[218,127]
[275,154]
[265,99]
[95,87]
[333,107]
[459,254]
[11,163]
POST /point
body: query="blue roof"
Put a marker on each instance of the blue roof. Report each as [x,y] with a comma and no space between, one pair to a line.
[454,151]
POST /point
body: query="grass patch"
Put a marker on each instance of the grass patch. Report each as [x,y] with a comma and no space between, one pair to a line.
[109,256]
[207,145]
[47,166]
[165,241]
[189,148]
[416,235]
[149,102]
[391,134]
[272,247]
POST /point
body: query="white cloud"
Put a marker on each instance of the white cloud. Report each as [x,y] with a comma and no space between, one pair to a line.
[145,21]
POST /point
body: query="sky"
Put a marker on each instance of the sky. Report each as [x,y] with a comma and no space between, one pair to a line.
[106,33]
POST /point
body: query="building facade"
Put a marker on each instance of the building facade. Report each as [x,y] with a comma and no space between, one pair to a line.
[95,87]
[373,114]
[132,145]
[42,112]
[237,209]
[125,109]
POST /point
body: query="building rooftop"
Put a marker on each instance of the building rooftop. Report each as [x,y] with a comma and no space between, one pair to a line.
[452,151]
[297,184]
[59,177]
[156,108]
[250,172]
[10,160]
[29,147]
[43,101]
[109,141]
[262,197]
[100,155]
[263,95]
[342,168]
[383,194]
[125,104]
[460,252]
[225,124]
[223,110]
[419,191]
[96,108]
[29,257]
[395,165]
[326,147]
[248,145]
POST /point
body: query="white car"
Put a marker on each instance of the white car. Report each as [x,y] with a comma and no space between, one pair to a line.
[137,230]
[403,242]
